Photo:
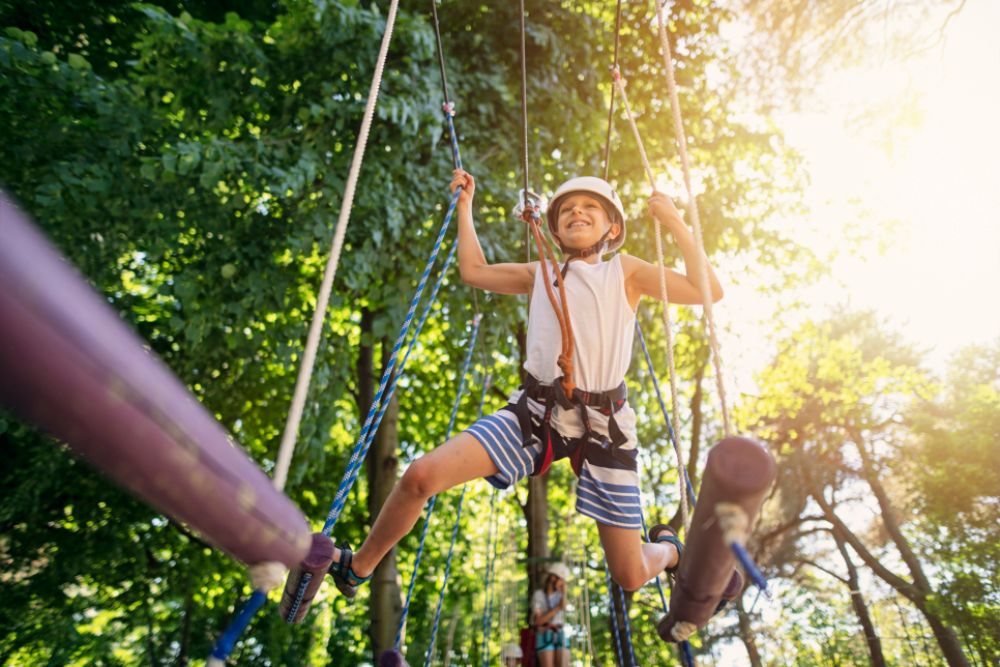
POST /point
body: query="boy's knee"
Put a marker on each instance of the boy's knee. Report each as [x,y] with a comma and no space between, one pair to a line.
[418,480]
[627,578]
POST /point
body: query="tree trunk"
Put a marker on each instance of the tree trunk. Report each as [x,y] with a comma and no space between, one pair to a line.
[746,633]
[385,604]
[859,604]
[946,637]
[536,513]
[917,591]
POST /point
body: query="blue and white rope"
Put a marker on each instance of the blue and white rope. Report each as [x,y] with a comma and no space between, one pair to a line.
[451,548]
[379,404]
[614,614]
[470,348]
[666,414]
[490,567]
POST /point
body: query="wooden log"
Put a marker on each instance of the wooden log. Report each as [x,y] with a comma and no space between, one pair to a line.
[72,367]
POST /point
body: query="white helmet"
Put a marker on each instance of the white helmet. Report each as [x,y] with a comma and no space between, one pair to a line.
[601,189]
[559,569]
[512,650]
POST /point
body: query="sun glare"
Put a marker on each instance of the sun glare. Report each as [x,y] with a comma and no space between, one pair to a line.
[907,154]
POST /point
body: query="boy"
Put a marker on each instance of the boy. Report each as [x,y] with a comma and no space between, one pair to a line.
[595,427]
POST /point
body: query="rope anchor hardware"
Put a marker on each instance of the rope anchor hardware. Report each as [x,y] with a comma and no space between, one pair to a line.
[528,200]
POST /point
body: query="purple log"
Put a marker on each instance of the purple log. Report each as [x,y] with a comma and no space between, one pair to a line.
[740,471]
[316,563]
[72,367]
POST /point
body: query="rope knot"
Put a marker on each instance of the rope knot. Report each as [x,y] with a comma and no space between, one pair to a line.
[530,214]
[733,522]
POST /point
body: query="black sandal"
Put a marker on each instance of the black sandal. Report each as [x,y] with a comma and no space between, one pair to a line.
[656,535]
[343,576]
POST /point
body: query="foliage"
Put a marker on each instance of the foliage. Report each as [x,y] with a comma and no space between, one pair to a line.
[189,160]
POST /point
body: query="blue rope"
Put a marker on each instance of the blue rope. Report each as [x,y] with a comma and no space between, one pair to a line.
[451,549]
[743,556]
[614,614]
[628,625]
[687,654]
[490,567]
[666,414]
[380,405]
[224,646]
[470,347]
[447,573]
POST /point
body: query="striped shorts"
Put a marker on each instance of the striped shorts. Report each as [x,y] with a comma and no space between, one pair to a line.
[605,494]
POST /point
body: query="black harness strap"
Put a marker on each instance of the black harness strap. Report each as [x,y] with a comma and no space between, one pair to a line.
[602,450]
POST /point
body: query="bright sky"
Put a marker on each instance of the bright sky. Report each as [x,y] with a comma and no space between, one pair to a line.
[932,169]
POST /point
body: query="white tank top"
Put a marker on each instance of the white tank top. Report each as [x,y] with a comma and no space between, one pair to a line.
[603,326]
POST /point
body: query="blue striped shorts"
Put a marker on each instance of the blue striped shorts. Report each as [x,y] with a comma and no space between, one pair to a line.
[607,495]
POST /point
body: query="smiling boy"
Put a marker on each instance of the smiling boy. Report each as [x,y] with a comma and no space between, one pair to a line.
[594,427]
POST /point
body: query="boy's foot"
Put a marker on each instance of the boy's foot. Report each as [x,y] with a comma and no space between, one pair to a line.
[661,533]
[343,575]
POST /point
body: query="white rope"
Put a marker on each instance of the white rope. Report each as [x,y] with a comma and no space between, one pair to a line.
[693,210]
[674,400]
[316,328]
[733,522]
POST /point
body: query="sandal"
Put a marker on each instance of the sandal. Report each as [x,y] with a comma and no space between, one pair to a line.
[664,534]
[733,588]
[343,576]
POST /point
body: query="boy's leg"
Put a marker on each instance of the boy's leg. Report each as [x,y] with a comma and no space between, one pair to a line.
[631,561]
[459,460]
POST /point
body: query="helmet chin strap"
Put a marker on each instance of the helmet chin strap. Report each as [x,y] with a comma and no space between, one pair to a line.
[596,249]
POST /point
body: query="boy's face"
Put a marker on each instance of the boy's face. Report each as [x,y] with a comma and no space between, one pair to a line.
[583,221]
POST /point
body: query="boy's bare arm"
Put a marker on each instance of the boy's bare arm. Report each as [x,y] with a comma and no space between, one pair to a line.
[641,277]
[503,278]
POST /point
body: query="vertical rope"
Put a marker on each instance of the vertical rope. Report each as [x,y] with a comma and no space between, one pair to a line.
[444,581]
[470,348]
[228,640]
[488,601]
[666,414]
[627,624]
[611,106]
[451,547]
[312,342]
[665,311]
[693,209]
[524,106]
[614,615]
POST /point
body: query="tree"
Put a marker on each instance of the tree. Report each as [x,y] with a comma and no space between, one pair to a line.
[833,409]
[190,162]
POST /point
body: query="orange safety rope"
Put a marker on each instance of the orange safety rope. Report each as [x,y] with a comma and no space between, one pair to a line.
[546,257]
